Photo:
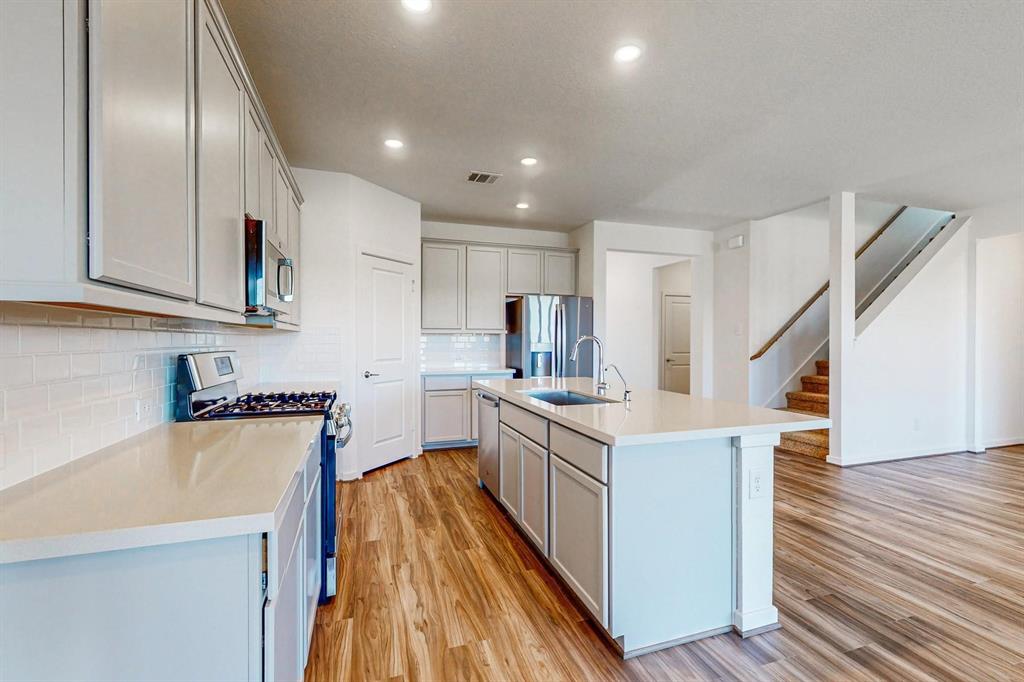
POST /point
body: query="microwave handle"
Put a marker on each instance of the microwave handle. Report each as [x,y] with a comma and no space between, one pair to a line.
[286,296]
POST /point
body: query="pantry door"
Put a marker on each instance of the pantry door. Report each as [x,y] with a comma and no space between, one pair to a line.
[386,334]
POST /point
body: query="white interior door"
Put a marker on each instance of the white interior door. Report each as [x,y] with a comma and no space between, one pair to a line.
[386,335]
[675,346]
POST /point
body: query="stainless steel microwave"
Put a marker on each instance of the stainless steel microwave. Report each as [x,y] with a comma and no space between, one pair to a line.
[269,275]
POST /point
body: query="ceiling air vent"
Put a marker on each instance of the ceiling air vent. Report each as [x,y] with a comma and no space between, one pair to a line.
[483,177]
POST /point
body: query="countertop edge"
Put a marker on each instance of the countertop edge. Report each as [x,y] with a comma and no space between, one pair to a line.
[76,544]
[661,437]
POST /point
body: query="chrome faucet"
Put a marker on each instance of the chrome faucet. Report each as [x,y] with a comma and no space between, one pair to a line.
[627,394]
[602,385]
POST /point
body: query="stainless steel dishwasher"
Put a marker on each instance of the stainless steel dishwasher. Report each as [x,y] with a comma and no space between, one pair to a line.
[487,446]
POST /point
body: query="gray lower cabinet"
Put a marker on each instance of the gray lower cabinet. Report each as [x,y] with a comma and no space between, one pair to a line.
[510,470]
[579,534]
[533,482]
[141,145]
[446,416]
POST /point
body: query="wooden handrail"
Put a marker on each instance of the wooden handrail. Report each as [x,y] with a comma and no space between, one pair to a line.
[821,292]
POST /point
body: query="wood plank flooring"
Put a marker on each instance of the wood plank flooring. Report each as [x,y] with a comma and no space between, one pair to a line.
[909,570]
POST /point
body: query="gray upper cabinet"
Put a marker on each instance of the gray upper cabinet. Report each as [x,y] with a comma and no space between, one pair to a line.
[253,141]
[525,271]
[220,169]
[485,289]
[268,173]
[443,286]
[559,273]
[141,212]
[282,198]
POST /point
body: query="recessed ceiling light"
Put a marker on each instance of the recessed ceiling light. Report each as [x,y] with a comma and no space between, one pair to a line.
[628,53]
[528,161]
[522,204]
[417,6]
[394,144]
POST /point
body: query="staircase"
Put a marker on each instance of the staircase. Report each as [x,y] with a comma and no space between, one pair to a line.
[812,399]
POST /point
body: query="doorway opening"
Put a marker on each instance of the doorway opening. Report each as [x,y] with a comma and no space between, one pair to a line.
[649,300]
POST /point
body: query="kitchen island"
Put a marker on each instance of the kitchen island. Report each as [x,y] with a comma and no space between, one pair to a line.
[656,512]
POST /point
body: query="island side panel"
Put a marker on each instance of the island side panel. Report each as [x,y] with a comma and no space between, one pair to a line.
[755,508]
[672,542]
[177,611]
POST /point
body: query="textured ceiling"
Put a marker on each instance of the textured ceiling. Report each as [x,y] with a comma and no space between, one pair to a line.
[736,110]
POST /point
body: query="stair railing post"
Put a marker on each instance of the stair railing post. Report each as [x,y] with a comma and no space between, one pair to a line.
[842,313]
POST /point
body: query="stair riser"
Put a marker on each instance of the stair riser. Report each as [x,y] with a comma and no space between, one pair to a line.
[814,386]
[807,406]
[804,449]
[818,438]
[822,367]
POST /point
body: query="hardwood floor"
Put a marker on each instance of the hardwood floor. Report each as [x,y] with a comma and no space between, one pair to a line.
[900,571]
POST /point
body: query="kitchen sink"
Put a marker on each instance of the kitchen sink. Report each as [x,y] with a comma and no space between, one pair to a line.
[567,398]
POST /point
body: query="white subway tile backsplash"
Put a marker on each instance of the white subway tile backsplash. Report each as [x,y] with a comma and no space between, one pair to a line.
[446,350]
[16,371]
[69,380]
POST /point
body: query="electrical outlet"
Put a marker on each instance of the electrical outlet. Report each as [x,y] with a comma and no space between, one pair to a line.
[760,479]
[138,410]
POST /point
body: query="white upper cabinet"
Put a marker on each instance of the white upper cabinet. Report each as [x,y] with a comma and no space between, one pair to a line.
[268,173]
[559,273]
[443,279]
[220,169]
[253,141]
[525,271]
[282,199]
[485,289]
[141,217]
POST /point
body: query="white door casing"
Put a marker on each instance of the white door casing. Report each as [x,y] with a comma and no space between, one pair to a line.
[675,343]
[386,334]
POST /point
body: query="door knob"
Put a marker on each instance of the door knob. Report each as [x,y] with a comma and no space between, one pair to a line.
[367,374]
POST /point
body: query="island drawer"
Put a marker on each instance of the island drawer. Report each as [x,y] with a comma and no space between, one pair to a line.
[446,383]
[586,454]
[530,425]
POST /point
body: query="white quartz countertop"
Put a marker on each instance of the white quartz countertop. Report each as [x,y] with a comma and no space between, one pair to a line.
[174,483]
[464,370]
[651,416]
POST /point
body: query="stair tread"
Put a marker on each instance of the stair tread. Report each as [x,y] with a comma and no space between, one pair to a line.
[815,378]
[817,453]
[807,396]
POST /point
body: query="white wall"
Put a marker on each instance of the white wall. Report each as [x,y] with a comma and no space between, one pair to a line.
[789,261]
[632,339]
[907,379]
[493,234]
[732,315]
[596,239]
[1000,319]
[343,216]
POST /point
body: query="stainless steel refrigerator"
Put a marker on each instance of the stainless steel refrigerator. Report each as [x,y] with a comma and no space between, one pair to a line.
[540,332]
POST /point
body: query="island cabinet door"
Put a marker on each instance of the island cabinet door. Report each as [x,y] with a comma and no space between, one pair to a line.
[283,631]
[509,467]
[533,467]
[579,534]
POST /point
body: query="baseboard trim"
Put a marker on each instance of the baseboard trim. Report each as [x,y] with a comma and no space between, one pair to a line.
[896,456]
[449,445]
[1003,442]
[633,653]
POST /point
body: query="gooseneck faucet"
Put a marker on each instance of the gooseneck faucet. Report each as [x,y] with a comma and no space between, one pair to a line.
[602,385]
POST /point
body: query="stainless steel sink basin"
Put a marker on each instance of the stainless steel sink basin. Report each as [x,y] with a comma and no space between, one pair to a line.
[567,398]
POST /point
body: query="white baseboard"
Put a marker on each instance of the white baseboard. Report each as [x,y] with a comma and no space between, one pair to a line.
[896,455]
[1003,442]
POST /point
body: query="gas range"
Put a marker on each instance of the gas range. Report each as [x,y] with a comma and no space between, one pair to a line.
[273,404]
[206,388]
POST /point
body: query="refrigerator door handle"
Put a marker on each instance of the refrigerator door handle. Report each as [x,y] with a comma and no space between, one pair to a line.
[559,354]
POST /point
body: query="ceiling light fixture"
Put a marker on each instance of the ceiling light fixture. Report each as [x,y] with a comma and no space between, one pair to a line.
[394,144]
[522,204]
[628,53]
[528,161]
[417,6]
